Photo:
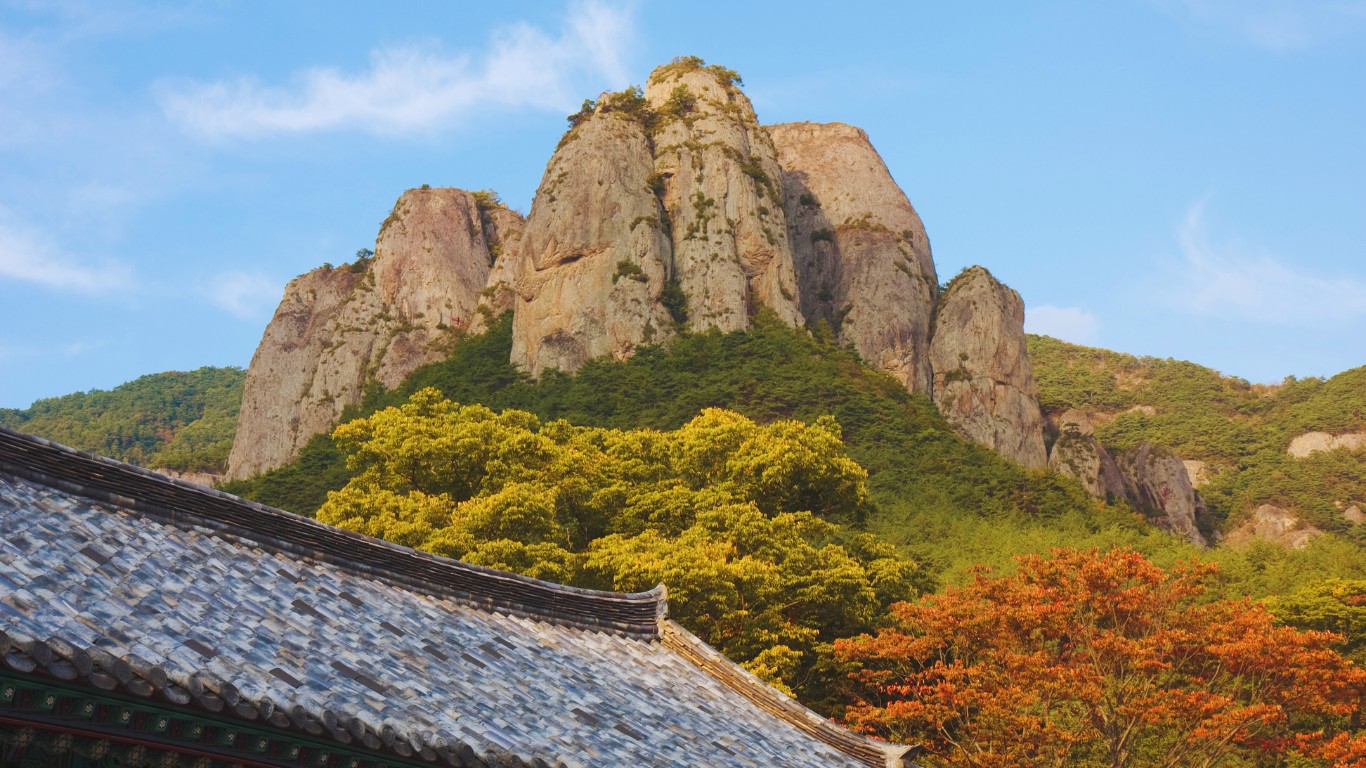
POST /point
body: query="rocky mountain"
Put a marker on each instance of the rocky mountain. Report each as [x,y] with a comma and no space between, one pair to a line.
[339,329]
[663,209]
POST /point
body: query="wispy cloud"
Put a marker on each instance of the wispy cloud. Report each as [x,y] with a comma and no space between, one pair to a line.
[1274,25]
[1067,323]
[28,255]
[1240,282]
[413,89]
[245,295]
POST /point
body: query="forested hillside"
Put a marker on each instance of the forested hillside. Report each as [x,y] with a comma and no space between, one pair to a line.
[945,502]
[183,421]
[1240,430]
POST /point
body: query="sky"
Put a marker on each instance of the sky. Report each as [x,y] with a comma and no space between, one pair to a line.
[1176,178]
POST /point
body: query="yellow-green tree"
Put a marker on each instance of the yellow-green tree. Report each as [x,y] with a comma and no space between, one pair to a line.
[733,516]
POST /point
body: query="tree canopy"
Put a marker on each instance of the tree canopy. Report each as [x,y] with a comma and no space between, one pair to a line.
[734,516]
[1089,659]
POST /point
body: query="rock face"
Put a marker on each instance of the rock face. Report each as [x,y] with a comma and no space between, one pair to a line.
[1276,525]
[862,259]
[1309,442]
[1154,480]
[720,182]
[594,257]
[337,329]
[1158,485]
[983,382]
[1077,454]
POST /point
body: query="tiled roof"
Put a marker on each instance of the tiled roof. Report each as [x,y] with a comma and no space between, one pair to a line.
[124,579]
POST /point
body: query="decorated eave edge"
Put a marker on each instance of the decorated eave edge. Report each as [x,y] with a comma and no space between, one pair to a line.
[639,615]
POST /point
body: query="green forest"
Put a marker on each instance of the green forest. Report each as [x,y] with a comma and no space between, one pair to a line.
[183,421]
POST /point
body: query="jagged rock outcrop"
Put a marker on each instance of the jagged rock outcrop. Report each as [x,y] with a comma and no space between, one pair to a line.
[983,382]
[1077,454]
[595,257]
[1310,442]
[860,252]
[336,330]
[1276,525]
[1157,484]
[718,176]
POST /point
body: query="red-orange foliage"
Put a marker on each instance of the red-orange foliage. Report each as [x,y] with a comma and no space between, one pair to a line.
[1088,659]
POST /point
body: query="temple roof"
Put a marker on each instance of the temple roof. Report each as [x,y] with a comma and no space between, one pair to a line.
[123,579]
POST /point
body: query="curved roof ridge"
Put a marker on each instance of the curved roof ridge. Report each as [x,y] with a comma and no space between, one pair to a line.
[869,751]
[182,503]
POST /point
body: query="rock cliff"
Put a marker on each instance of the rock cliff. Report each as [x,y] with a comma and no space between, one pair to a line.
[718,176]
[1154,480]
[1311,442]
[1159,487]
[983,382]
[595,257]
[336,330]
[1077,454]
[1276,525]
[860,252]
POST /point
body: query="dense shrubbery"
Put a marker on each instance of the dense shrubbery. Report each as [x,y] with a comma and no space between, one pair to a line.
[182,421]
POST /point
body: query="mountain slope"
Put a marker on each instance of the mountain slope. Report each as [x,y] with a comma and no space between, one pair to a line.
[1241,432]
[184,421]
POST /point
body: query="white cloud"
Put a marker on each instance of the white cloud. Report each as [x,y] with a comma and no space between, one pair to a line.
[27,255]
[1239,282]
[244,295]
[1275,25]
[1067,323]
[413,89]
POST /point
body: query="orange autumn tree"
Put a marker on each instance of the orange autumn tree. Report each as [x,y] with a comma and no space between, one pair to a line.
[1088,659]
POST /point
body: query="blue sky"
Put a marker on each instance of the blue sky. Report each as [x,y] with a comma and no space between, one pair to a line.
[1179,178]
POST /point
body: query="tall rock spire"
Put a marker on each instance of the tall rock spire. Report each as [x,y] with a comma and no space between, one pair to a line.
[719,178]
[595,256]
[983,381]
